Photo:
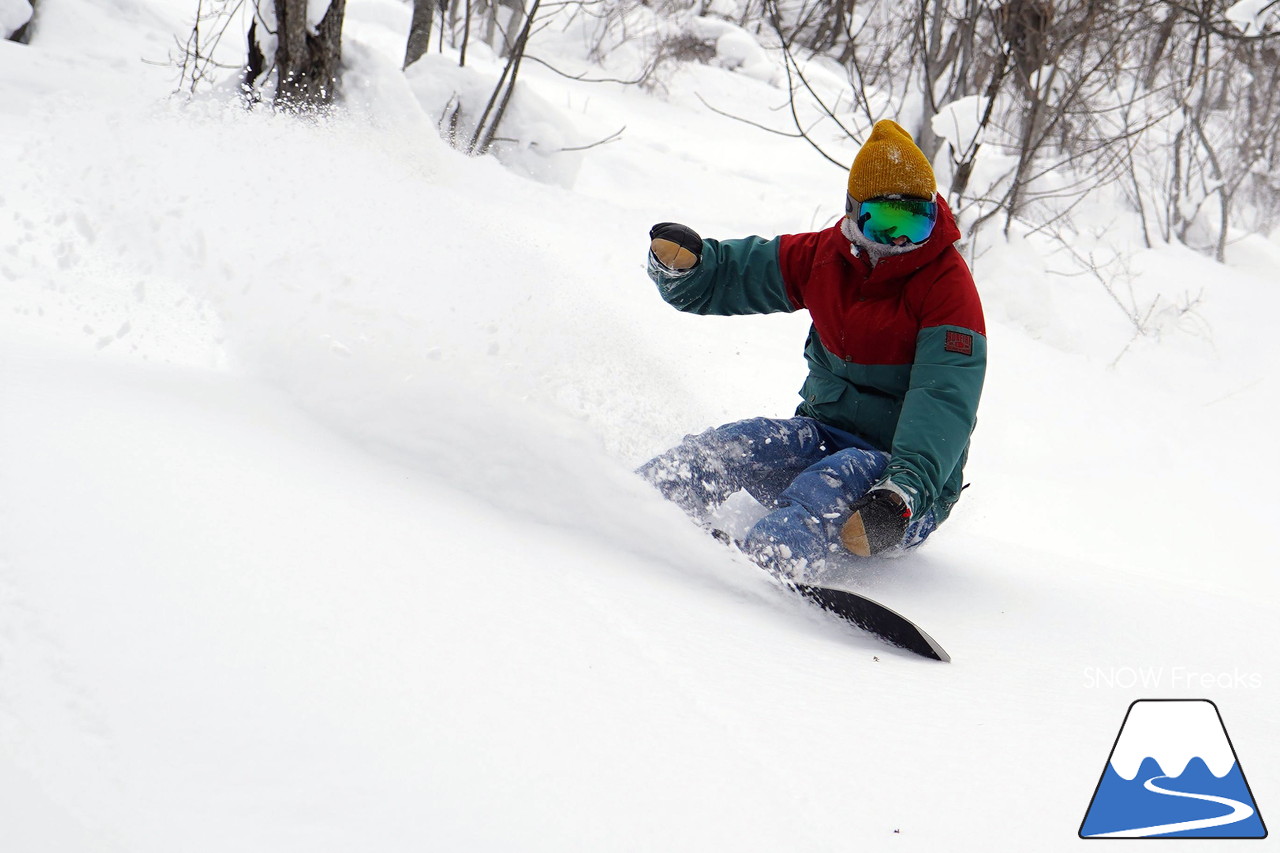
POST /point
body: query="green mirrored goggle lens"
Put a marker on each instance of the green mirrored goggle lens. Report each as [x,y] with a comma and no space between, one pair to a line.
[886,220]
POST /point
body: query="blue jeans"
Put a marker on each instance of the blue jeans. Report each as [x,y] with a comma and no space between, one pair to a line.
[803,471]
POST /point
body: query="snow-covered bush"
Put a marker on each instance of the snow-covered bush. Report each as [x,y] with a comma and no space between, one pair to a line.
[736,49]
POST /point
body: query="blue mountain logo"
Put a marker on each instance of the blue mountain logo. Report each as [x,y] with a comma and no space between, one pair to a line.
[1173,773]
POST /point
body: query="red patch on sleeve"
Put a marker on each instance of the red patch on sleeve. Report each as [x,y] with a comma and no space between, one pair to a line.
[959,342]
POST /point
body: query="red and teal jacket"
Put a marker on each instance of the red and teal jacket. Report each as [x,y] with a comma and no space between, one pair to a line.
[897,352]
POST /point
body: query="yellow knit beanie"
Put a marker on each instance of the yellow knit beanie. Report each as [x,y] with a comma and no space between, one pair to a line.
[890,164]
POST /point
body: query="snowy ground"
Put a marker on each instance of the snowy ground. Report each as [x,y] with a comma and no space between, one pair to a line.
[318,532]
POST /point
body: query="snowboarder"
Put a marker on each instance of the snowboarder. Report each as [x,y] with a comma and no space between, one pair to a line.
[873,460]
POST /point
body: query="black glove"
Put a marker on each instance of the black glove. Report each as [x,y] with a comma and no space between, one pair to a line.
[677,247]
[879,522]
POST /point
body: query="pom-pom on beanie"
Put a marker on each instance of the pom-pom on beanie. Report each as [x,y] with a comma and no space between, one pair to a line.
[889,163]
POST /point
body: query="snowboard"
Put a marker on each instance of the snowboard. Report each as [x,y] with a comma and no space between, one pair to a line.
[872,617]
[858,610]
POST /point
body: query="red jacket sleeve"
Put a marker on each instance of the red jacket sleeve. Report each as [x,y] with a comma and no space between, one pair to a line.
[796,253]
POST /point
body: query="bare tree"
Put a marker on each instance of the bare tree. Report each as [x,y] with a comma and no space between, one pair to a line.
[1166,100]
[491,118]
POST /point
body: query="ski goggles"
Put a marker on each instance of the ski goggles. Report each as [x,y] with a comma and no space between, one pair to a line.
[884,220]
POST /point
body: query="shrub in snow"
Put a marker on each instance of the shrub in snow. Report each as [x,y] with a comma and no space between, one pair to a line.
[688,47]
[707,41]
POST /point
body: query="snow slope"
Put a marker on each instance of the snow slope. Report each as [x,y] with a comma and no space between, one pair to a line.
[318,532]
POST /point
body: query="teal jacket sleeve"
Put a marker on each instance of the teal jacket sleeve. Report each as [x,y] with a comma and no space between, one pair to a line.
[734,277]
[938,413]
[940,408]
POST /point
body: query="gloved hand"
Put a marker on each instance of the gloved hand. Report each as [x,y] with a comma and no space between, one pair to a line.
[677,247]
[879,522]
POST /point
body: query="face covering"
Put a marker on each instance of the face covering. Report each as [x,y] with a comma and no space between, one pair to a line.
[864,246]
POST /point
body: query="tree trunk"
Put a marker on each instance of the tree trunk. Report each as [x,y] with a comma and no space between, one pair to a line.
[1163,35]
[307,62]
[22,35]
[255,66]
[419,31]
[483,138]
